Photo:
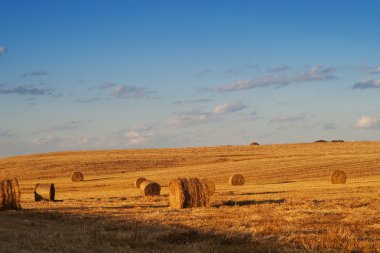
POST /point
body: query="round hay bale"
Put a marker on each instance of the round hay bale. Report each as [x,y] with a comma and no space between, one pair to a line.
[320,141]
[209,184]
[254,144]
[44,192]
[236,179]
[77,176]
[138,181]
[150,188]
[337,141]
[338,177]
[9,194]
[188,193]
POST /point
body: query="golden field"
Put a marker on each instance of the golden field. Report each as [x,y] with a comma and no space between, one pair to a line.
[286,205]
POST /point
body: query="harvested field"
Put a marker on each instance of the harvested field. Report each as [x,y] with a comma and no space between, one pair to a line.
[287,204]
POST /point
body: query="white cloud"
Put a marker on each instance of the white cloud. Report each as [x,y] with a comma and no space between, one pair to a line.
[368,84]
[229,107]
[368,122]
[316,73]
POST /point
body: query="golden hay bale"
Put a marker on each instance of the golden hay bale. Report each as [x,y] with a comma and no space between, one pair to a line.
[77,176]
[236,179]
[209,184]
[44,192]
[138,181]
[9,194]
[150,188]
[338,177]
[188,193]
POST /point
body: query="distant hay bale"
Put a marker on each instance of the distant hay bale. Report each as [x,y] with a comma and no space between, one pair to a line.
[138,181]
[44,192]
[337,141]
[150,188]
[209,184]
[236,179]
[188,193]
[321,141]
[9,194]
[254,144]
[338,177]
[77,176]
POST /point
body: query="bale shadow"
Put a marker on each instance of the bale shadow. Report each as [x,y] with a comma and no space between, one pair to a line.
[92,232]
[98,179]
[250,202]
[260,193]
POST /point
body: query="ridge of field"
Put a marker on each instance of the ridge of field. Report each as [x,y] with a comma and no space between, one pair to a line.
[288,203]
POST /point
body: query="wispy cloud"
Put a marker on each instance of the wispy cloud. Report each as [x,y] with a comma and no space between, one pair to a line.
[287,121]
[125,91]
[316,73]
[73,124]
[229,107]
[35,73]
[232,71]
[194,117]
[194,101]
[3,50]
[278,68]
[370,70]
[107,85]
[369,122]
[89,100]
[25,90]
[6,134]
[188,118]
[202,73]
[368,84]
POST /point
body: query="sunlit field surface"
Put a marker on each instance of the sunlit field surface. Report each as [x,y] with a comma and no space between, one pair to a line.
[287,204]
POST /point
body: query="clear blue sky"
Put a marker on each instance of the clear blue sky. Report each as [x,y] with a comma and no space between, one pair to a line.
[116,74]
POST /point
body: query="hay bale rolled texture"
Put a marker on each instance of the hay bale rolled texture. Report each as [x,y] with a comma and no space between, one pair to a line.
[9,194]
[150,188]
[44,192]
[77,176]
[138,181]
[236,179]
[188,193]
[338,177]
[209,184]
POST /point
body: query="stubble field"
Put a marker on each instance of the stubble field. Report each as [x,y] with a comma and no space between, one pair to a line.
[286,205]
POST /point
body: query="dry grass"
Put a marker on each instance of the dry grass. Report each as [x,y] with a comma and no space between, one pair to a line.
[287,204]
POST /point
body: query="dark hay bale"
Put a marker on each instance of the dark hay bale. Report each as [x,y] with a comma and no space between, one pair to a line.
[138,181]
[44,192]
[188,193]
[337,141]
[209,184]
[338,177]
[9,194]
[254,144]
[77,176]
[150,188]
[236,179]
[321,141]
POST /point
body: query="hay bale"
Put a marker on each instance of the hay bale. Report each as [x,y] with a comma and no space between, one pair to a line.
[44,192]
[209,184]
[320,141]
[236,179]
[9,194]
[150,188]
[254,144]
[337,141]
[77,176]
[188,193]
[338,177]
[138,181]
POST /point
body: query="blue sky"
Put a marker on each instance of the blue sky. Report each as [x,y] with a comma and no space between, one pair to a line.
[78,75]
